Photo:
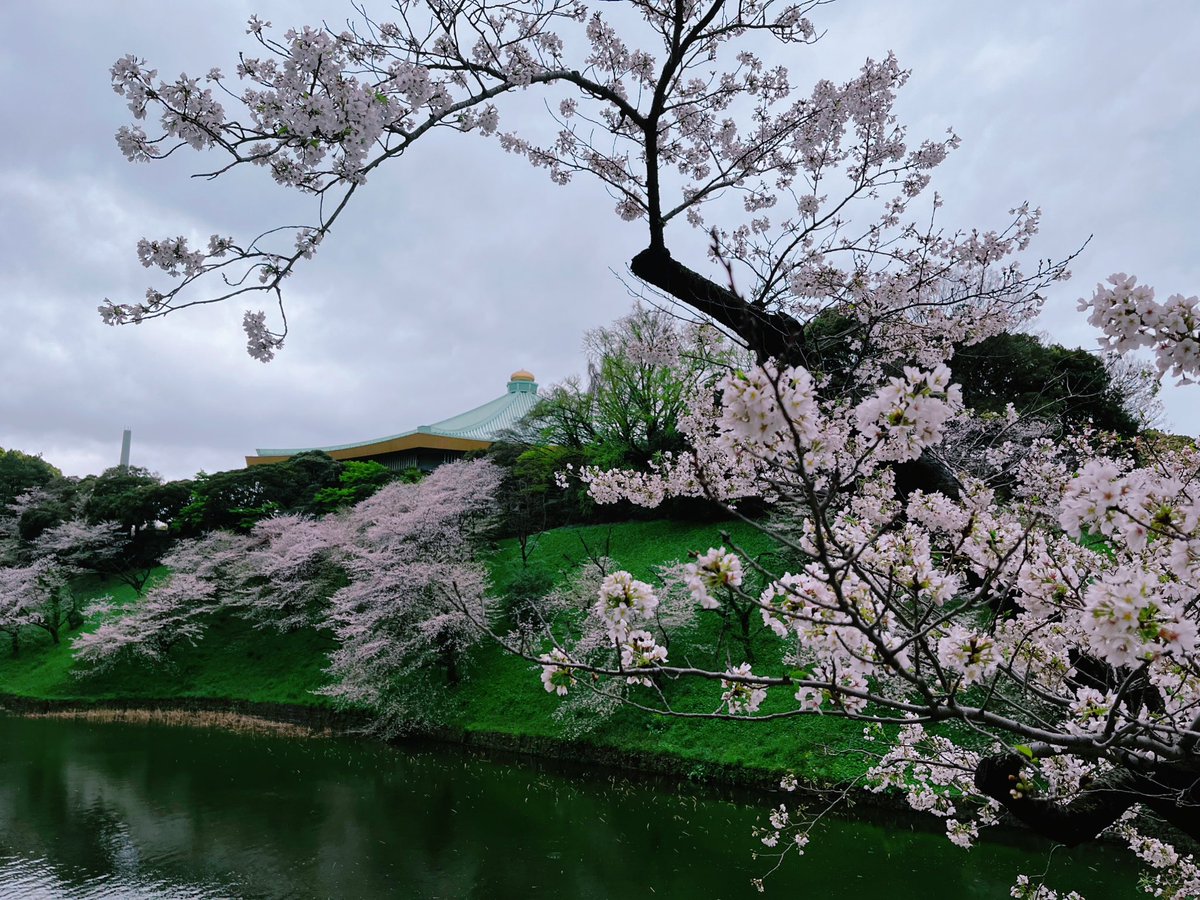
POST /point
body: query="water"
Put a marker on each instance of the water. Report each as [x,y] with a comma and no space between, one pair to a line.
[127,811]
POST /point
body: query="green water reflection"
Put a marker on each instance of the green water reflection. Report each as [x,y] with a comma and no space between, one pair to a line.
[97,810]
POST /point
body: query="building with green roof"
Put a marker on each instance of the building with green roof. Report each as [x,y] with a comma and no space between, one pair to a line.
[428,446]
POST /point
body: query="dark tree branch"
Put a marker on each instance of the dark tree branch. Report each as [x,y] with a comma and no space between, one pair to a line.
[1170,791]
[767,334]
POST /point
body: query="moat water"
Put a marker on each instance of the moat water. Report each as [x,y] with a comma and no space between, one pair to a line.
[126,811]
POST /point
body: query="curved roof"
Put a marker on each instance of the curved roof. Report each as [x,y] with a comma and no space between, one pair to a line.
[483,423]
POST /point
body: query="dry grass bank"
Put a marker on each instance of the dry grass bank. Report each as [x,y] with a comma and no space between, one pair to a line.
[228,721]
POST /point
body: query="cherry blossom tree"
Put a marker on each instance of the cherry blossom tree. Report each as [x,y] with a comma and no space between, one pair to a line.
[293,564]
[11,623]
[207,573]
[36,596]
[588,613]
[394,579]
[105,548]
[405,621]
[1139,385]
[169,614]
[1056,620]
[10,539]
[695,121]
[276,576]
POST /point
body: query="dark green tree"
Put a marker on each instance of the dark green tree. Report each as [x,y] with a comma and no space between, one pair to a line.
[134,497]
[238,498]
[1047,381]
[20,472]
[358,481]
[51,505]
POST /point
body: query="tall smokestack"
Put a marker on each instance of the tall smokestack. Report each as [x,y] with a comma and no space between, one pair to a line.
[126,440]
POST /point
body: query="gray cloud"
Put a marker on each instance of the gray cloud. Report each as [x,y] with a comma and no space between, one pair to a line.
[460,263]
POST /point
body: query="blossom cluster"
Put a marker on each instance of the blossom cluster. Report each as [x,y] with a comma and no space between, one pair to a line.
[769,410]
[622,599]
[622,602]
[1130,318]
[639,650]
[711,571]
[740,696]
[909,413]
[557,678]
[974,656]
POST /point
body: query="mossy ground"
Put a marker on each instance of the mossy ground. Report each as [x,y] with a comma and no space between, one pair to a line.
[502,693]
[232,662]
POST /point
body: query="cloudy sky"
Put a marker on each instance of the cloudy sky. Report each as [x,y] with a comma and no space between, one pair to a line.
[463,264]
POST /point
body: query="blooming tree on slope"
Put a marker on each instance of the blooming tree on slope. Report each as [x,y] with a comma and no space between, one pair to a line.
[404,622]
[590,612]
[103,548]
[39,596]
[394,579]
[293,564]
[207,573]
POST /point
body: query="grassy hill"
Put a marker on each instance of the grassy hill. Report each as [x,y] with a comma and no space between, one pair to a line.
[502,694]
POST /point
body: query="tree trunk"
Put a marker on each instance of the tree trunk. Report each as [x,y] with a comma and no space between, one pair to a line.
[767,334]
[744,623]
[1171,791]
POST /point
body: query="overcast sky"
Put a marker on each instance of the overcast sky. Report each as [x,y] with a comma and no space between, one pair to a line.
[463,264]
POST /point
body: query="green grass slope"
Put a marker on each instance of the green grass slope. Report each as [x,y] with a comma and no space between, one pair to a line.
[502,693]
[231,662]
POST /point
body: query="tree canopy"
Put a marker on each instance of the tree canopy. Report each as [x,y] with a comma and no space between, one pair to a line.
[20,472]
[1044,380]
[238,498]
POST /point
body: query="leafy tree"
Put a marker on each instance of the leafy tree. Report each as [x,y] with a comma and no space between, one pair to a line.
[114,524]
[143,507]
[358,480]
[239,498]
[1046,381]
[20,472]
[1042,380]
[529,501]
[135,497]
[43,508]
[1138,385]
[642,371]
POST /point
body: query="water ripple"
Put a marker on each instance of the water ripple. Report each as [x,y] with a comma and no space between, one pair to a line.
[34,878]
